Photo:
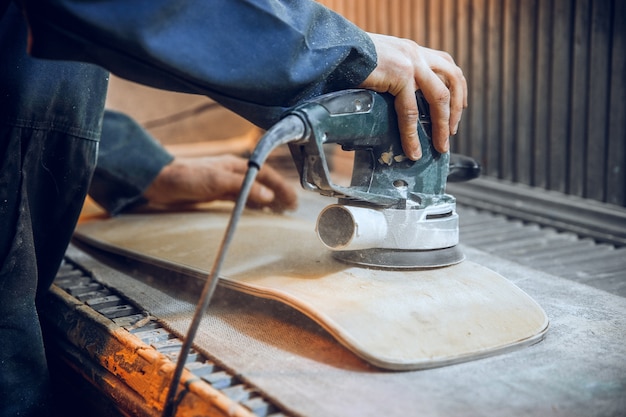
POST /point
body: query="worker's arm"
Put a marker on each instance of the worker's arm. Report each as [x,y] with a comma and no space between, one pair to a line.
[133,169]
[129,159]
[195,180]
[256,57]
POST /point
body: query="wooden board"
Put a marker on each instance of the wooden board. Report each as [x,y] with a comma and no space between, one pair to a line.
[396,320]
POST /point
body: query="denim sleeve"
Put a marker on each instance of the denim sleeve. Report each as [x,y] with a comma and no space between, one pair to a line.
[129,159]
[255,57]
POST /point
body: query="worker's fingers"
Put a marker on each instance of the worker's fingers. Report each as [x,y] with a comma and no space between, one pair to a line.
[285,195]
[438,97]
[260,196]
[403,66]
[460,99]
[270,188]
[198,180]
[452,77]
[458,102]
[226,184]
[408,116]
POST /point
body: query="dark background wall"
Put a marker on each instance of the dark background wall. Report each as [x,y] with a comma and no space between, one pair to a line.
[547,83]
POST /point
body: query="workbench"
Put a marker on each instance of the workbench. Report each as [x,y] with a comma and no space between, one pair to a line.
[261,358]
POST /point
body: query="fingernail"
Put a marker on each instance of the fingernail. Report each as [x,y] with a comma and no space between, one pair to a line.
[266,194]
[456,129]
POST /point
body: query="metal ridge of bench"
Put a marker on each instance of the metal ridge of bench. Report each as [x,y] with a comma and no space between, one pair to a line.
[124,350]
[587,218]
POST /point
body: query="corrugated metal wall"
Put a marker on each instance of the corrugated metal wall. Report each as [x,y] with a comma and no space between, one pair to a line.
[547,84]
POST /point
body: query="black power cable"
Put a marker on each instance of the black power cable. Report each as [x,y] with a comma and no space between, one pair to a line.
[290,129]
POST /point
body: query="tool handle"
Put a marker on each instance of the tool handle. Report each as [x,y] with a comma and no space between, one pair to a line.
[462,168]
[365,122]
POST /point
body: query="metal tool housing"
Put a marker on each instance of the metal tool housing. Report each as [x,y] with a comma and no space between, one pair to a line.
[392,203]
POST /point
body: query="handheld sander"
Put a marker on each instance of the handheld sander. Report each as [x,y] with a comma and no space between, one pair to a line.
[395,212]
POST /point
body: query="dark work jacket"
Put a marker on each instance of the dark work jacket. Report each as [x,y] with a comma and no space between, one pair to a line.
[64,101]
[129,159]
[255,57]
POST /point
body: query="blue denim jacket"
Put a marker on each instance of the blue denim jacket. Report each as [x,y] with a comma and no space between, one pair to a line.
[128,161]
[256,57]
[66,99]
[39,94]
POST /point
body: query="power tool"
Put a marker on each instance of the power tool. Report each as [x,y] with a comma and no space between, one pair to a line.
[395,212]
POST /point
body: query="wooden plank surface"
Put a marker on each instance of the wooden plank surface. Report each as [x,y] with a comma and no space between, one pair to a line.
[393,319]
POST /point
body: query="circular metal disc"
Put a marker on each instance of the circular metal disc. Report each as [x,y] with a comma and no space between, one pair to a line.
[402,259]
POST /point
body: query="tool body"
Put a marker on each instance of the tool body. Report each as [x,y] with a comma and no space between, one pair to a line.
[395,212]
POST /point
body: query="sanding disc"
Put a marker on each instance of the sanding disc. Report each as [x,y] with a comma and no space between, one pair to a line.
[401,259]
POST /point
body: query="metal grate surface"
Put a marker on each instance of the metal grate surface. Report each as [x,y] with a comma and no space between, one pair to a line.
[110,304]
[545,249]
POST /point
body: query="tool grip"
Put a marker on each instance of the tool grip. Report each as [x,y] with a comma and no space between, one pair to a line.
[462,168]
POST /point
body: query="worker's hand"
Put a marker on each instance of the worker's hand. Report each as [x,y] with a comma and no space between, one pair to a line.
[197,180]
[404,67]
